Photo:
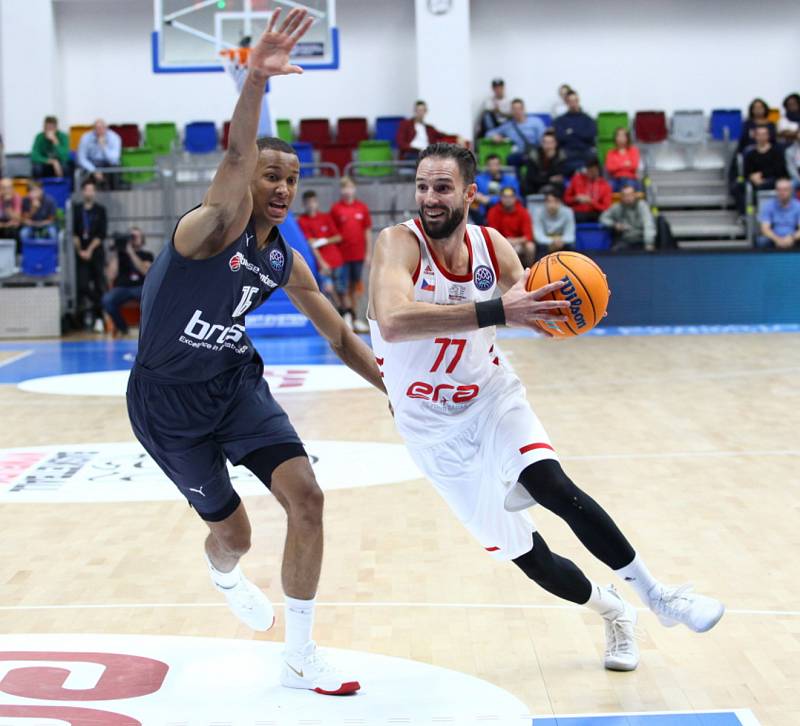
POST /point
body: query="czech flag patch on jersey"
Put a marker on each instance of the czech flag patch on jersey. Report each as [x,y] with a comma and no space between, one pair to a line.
[428,286]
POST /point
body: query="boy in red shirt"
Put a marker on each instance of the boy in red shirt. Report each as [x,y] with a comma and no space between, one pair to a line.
[513,221]
[324,239]
[355,225]
[588,193]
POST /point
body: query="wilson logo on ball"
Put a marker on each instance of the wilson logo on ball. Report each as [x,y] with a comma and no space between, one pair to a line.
[570,293]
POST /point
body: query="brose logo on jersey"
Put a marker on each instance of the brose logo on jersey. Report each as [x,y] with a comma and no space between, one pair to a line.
[199,329]
[235,262]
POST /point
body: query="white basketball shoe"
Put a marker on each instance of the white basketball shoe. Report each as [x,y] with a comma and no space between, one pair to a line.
[308,669]
[622,650]
[676,605]
[247,602]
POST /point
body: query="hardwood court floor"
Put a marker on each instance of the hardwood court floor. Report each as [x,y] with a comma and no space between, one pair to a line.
[692,443]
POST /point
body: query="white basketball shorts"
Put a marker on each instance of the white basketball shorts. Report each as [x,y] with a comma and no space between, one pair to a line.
[476,468]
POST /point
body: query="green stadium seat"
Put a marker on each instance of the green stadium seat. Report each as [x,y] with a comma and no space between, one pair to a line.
[141,157]
[609,121]
[487,147]
[161,138]
[374,151]
[283,129]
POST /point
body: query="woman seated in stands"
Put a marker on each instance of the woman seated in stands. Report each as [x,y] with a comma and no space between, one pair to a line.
[622,162]
[757,115]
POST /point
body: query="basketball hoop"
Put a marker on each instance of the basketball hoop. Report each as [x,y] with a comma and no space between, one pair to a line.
[236,55]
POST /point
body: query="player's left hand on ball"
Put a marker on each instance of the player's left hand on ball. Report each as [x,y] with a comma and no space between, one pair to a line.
[523,308]
[270,55]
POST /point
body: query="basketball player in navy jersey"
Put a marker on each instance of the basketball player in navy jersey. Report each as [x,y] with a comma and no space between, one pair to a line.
[438,289]
[197,396]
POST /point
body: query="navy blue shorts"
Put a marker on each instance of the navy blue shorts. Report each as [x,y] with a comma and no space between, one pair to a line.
[191,430]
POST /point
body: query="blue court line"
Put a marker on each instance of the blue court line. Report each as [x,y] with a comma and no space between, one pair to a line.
[727,718]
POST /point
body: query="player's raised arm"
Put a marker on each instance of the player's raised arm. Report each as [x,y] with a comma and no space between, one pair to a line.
[228,203]
[400,317]
[304,292]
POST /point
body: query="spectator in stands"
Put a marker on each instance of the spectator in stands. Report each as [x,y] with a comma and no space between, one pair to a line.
[354,223]
[789,123]
[50,153]
[513,221]
[524,133]
[588,193]
[764,163]
[553,222]
[324,239]
[89,230]
[414,135]
[38,215]
[544,166]
[757,116]
[780,218]
[126,270]
[631,222]
[560,106]
[490,183]
[99,148]
[10,211]
[576,132]
[792,159]
[496,109]
[622,162]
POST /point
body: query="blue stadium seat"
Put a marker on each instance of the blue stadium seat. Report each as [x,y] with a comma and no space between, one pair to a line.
[305,154]
[547,119]
[59,188]
[386,128]
[726,124]
[40,256]
[592,236]
[200,137]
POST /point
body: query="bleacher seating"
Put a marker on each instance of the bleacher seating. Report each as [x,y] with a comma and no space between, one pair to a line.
[161,137]
[774,115]
[39,256]
[726,124]
[650,127]
[374,151]
[200,137]
[688,127]
[352,130]
[315,131]
[609,121]
[592,236]
[283,130]
[142,157]
[129,133]
[305,153]
[21,186]
[546,118]
[338,154]
[487,147]
[75,133]
[386,129]
[59,188]
[17,165]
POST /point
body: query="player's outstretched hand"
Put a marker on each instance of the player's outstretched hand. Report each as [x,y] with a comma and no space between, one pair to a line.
[523,308]
[270,55]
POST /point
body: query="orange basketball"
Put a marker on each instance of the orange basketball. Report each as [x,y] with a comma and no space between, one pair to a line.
[585,287]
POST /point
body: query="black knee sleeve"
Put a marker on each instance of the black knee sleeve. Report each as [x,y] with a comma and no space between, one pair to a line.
[547,483]
[554,573]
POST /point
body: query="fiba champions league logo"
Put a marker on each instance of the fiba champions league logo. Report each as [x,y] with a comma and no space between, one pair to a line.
[276,261]
[483,278]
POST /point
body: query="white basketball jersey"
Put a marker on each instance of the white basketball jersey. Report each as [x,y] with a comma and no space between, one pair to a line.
[440,383]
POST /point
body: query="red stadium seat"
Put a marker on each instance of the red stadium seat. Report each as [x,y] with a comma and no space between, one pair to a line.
[339,154]
[129,133]
[650,127]
[315,131]
[351,131]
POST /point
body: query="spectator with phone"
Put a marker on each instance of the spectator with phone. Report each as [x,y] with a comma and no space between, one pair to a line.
[127,268]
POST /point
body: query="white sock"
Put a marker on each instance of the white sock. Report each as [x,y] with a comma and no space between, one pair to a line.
[224,579]
[299,621]
[639,578]
[605,601]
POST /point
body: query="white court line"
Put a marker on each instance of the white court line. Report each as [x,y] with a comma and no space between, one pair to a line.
[15,358]
[745,715]
[397,605]
[684,454]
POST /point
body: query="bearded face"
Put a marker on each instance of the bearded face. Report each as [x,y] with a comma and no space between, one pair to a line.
[441,196]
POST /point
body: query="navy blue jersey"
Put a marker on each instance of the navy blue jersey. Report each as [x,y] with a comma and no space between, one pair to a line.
[192,311]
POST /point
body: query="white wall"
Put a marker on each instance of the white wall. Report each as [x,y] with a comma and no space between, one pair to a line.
[638,54]
[106,68]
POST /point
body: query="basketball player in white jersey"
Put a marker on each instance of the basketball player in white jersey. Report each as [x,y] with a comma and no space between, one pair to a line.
[438,289]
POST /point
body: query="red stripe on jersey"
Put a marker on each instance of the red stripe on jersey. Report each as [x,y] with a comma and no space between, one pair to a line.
[449,275]
[496,361]
[531,447]
[379,361]
[492,549]
[490,248]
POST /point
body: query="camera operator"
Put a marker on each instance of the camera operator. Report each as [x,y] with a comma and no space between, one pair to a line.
[127,269]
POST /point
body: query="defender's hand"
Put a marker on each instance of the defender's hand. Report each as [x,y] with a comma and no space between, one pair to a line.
[270,55]
[524,308]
